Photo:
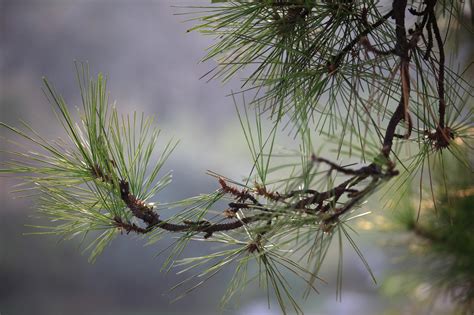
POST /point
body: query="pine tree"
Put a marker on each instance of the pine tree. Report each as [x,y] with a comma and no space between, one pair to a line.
[373,79]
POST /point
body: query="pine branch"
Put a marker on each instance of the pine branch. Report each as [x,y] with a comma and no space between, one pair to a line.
[342,52]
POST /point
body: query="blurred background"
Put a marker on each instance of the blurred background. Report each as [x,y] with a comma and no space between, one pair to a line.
[153,67]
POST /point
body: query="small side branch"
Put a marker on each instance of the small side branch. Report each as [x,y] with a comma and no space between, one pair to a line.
[336,60]
[441,72]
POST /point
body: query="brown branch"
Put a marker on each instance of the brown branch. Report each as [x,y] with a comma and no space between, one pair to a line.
[429,19]
[242,195]
[364,41]
[129,227]
[392,125]
[262,190]
[439,41]
[352,202]
[366,170]
[429,44]
[336,60]
[146,213]
[210,228]
[139,208]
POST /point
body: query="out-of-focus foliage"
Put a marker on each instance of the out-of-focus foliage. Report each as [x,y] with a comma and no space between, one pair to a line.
[442,241]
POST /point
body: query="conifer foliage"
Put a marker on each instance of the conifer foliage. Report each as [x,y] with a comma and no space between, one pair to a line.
[373,77]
